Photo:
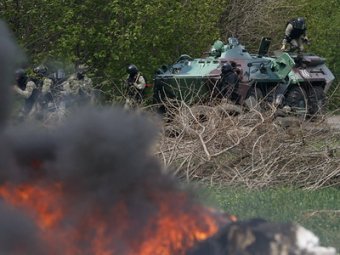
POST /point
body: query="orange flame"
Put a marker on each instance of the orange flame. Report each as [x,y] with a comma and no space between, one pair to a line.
[40,203]
[173,228]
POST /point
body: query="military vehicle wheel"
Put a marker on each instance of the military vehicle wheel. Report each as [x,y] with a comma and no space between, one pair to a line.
[255,99]
[317,101]
[297,100]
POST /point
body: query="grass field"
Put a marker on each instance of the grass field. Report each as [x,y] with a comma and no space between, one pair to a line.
[318,211]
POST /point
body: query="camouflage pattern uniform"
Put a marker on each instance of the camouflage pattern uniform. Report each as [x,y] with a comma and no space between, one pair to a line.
[295,35]
[46,100]
[44,103]
[135,88]
[29,92]
[135,84]
[74,86]
[77,89]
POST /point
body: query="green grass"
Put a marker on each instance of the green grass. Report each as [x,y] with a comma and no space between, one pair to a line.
[318,211]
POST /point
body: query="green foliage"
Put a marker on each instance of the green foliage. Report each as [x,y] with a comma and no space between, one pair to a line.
[316,210]
[109,34]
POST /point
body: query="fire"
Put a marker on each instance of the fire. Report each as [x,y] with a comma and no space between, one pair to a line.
[175,224]
[40,203]
[173,230]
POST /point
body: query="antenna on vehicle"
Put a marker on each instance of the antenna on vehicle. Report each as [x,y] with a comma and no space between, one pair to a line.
[264,46]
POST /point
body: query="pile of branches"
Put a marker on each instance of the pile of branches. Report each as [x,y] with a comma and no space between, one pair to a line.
[223,145]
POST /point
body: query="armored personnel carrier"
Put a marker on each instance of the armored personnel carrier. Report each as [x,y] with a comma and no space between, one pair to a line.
[291,81]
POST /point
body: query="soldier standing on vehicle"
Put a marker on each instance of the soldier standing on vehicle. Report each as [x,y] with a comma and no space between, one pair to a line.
[228,83]
[26,89]
[135,85]
[295,35]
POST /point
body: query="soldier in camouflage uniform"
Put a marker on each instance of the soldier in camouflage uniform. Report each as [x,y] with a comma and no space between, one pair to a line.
[45,102]
[78,87]
[27,90]
[135,85]
[295,35]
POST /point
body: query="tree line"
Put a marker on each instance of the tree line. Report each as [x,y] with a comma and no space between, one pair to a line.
[110,34]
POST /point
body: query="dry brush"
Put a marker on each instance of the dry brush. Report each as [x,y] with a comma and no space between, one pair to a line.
[256,149]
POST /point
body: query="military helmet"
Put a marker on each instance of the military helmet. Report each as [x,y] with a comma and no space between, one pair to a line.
[226,68]
[82,68]
[300,23]
[20,73]
[132,69]
[40,70]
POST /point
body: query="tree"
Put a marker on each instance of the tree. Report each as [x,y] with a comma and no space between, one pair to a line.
[110,34]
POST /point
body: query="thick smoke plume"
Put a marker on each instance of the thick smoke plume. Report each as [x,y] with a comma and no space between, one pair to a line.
[96,168]
[87,186]
[10,56]
[18,235]
[102,158]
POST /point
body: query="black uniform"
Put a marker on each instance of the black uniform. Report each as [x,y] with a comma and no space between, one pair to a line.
[228,83]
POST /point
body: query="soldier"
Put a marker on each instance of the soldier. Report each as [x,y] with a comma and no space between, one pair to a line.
[26,89]
[227,85]
[135,85]
[78,86]
[295,35]
[57,77]
[45,101]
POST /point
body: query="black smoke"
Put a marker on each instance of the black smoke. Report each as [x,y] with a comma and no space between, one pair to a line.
[101,156]
[10,57]
[18,235]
